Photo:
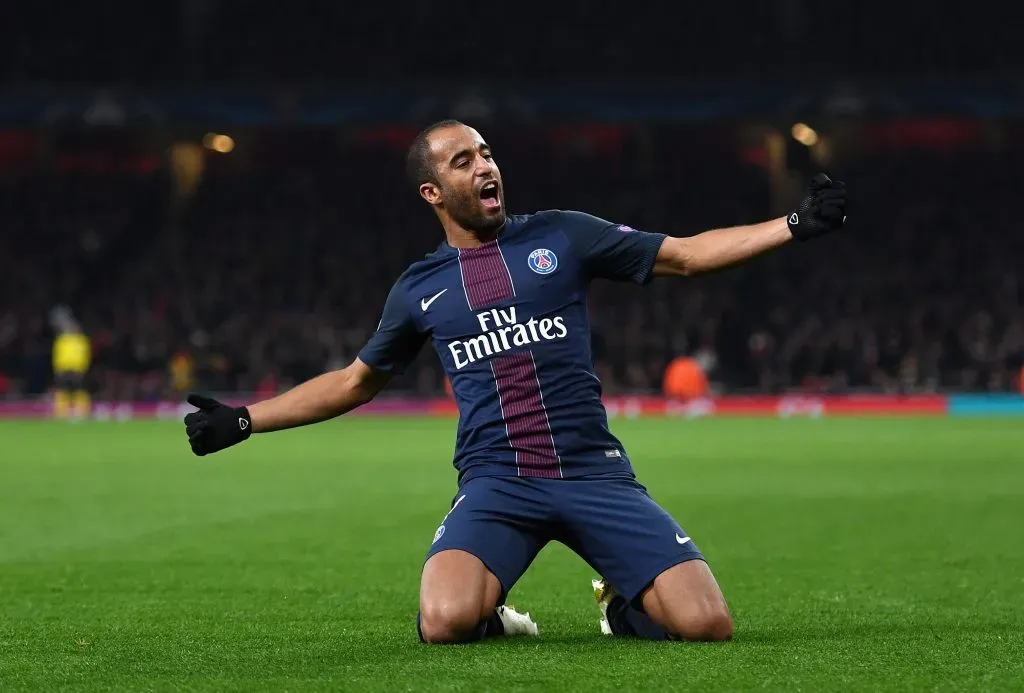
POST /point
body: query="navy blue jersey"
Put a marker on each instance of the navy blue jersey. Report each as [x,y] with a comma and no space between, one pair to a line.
[509,322]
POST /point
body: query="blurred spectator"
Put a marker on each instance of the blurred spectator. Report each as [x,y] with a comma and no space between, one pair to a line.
[685,379]
[182,371]
[267,386]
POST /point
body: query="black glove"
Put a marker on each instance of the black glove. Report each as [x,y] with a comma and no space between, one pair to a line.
[215,426]
[822,210]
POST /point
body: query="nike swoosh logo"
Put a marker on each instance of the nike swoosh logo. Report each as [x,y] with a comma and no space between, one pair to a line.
[454,505]
[682,540]
[425,302]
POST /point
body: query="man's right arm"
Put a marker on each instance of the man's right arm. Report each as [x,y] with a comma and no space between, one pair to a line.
[324,397]
[391,349]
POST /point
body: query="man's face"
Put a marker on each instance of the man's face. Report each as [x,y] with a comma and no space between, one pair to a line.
[469,183]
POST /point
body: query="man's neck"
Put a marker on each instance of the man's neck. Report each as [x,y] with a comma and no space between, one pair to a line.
[459,237]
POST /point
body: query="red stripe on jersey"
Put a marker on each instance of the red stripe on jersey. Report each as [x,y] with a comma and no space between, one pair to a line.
[484,275]
[486,280]
[526,419]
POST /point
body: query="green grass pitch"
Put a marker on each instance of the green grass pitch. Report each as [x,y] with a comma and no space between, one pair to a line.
[856,554]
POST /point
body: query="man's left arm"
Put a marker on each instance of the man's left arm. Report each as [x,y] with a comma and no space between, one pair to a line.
[719,248]
[823,209]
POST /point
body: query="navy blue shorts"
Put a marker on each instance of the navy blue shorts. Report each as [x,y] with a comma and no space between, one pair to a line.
[613,524]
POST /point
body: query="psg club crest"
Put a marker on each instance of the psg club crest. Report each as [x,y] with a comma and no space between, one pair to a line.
[543,261]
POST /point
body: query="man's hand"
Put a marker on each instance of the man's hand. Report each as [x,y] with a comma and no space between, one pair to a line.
[215,426]
[822,210]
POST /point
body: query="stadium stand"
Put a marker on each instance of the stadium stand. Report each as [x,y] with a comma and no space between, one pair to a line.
[275,272]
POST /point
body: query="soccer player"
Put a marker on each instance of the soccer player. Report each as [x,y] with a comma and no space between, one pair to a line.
[504,301]
[72,355]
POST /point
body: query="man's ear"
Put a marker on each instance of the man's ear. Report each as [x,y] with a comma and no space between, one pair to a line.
[431,193]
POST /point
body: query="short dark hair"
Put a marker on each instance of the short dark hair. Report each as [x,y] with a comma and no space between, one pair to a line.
[418,166]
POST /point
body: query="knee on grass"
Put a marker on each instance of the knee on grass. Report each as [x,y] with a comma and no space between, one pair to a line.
[449,621]
[703,624]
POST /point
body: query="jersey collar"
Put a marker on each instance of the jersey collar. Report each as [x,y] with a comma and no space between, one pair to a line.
[445,249]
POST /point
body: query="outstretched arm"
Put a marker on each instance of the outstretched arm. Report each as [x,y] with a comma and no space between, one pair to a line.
[822,209]
[391,348]
[720,248]
[324,397]
[621,253]
[216,426]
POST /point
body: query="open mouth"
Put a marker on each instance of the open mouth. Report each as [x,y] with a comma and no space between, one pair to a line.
[489,195]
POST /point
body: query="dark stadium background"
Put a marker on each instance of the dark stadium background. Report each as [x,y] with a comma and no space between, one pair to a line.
[268,264]
[214,189]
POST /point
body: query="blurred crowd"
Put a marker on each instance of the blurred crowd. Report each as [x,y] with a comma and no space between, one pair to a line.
[269,275]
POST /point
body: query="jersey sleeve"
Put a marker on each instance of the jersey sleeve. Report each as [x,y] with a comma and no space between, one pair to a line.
[612,251]
[397,340]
